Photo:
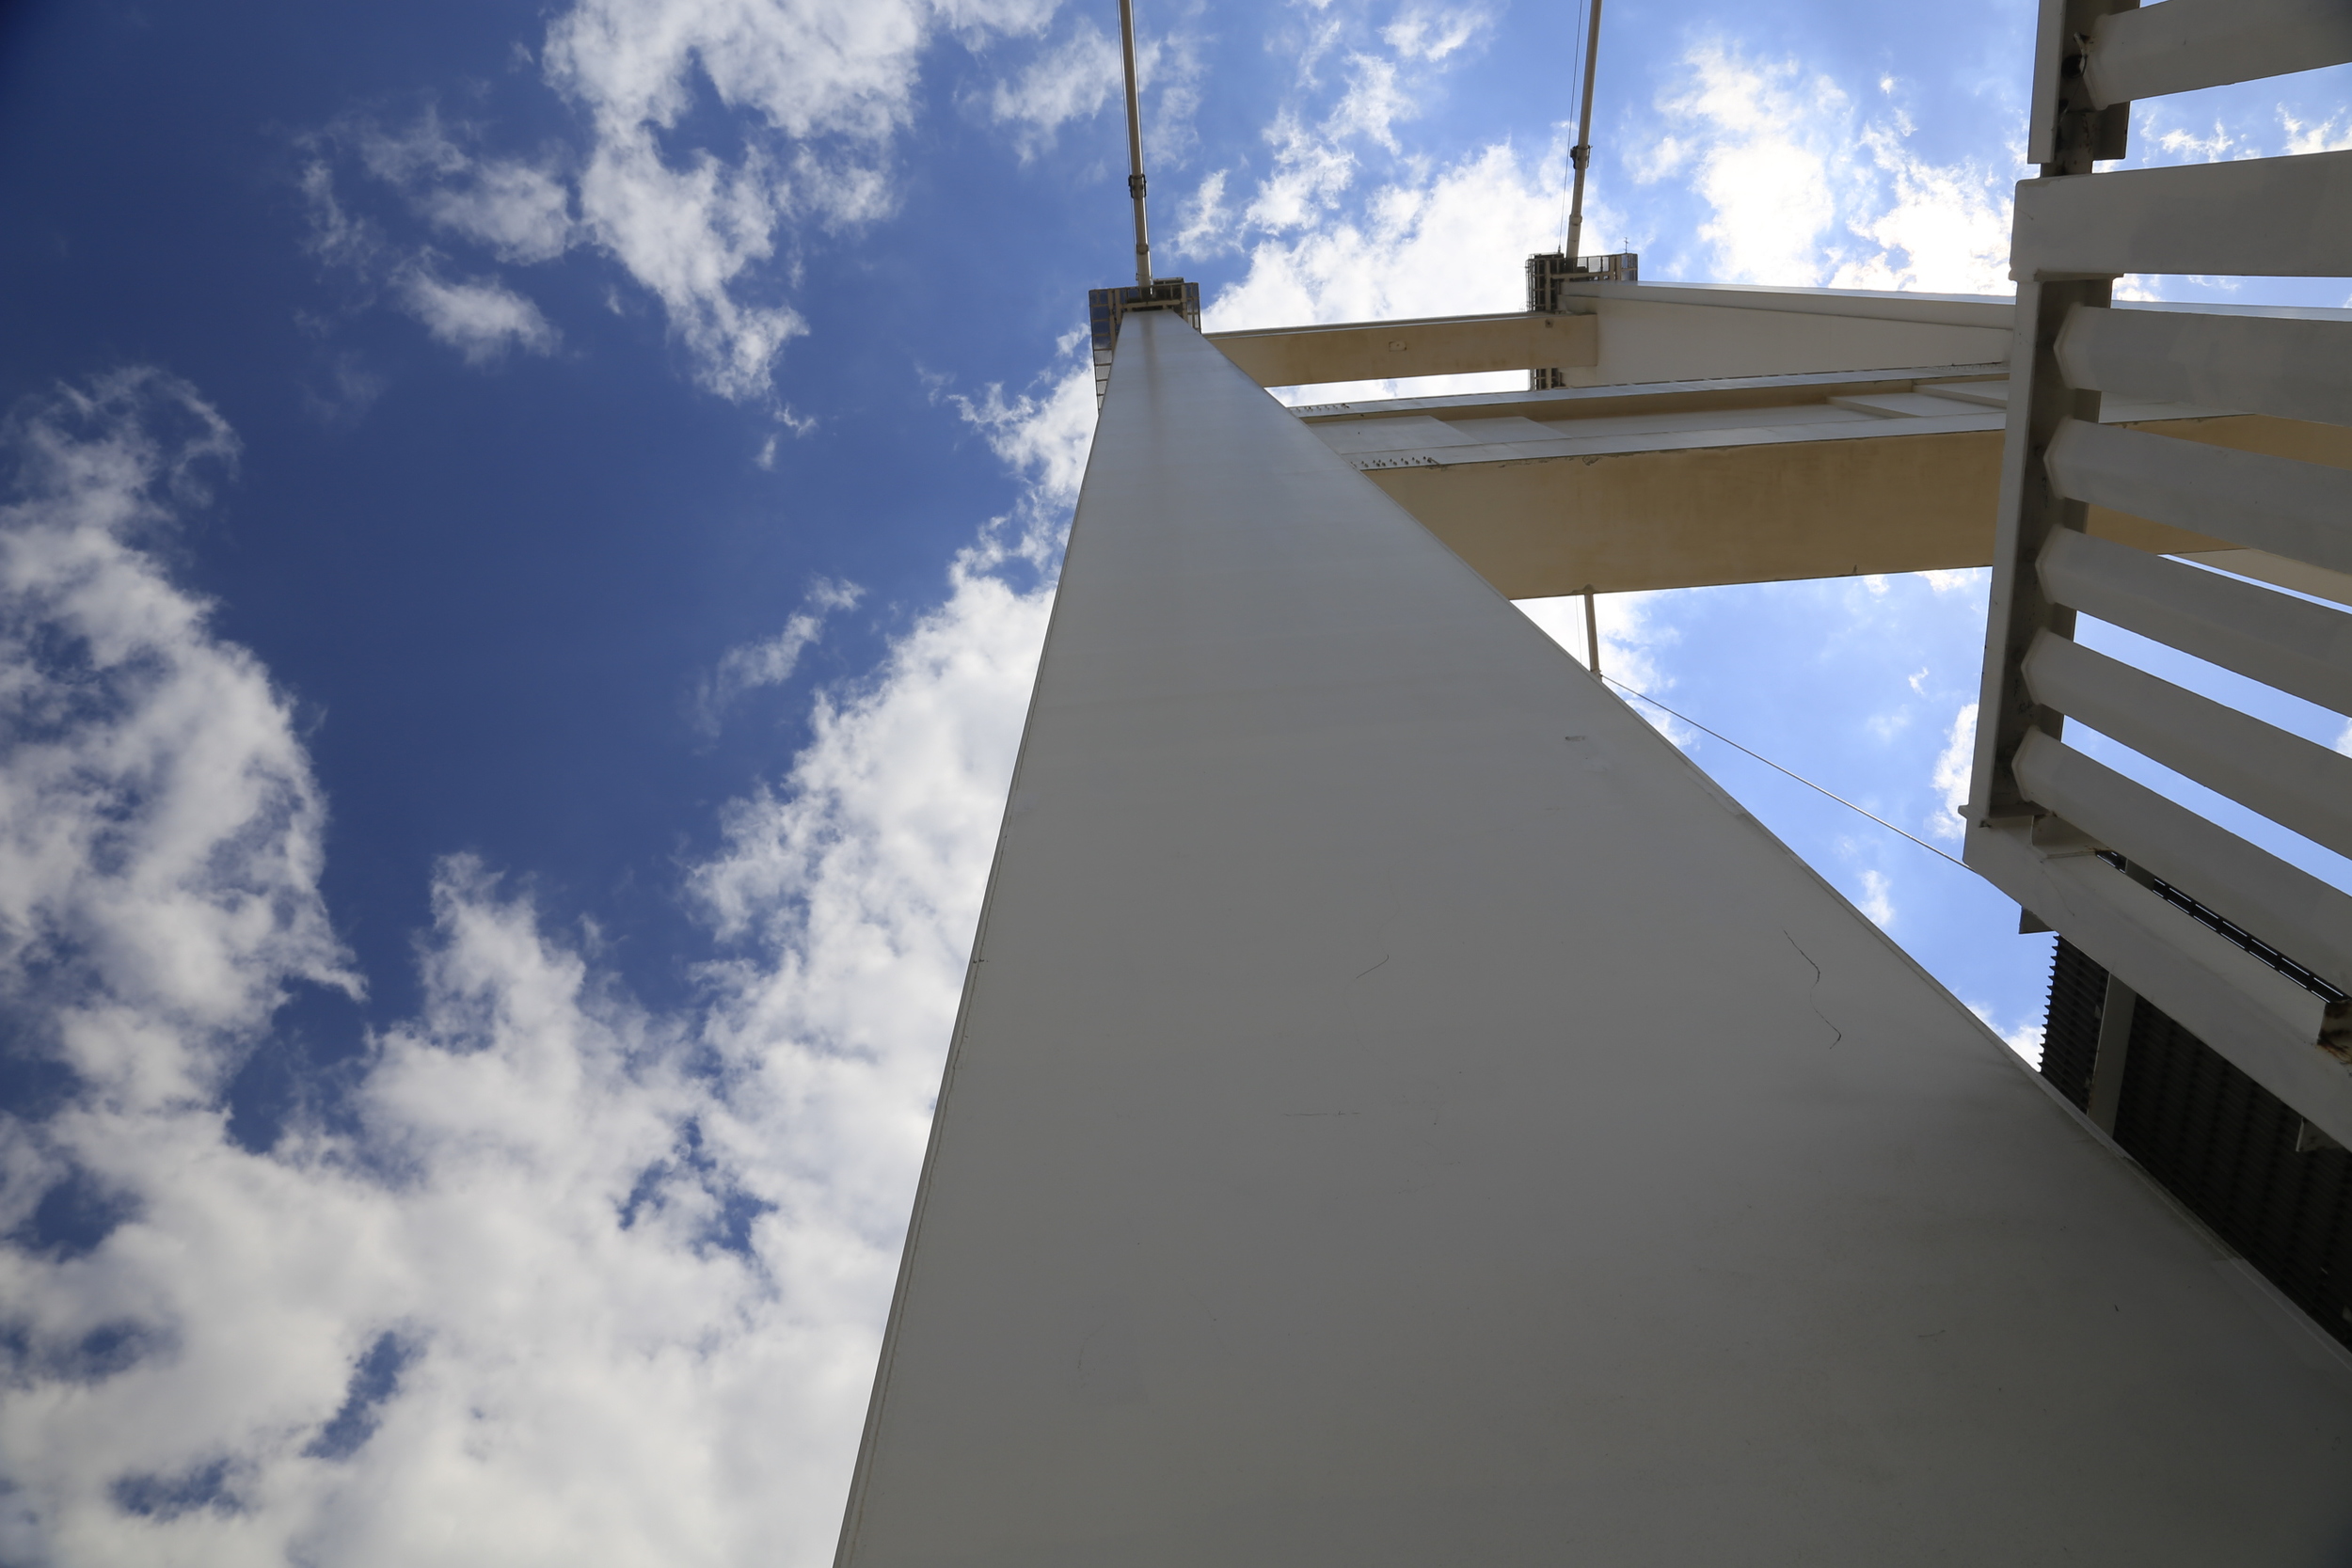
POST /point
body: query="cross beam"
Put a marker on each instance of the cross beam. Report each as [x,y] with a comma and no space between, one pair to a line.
[1761,479]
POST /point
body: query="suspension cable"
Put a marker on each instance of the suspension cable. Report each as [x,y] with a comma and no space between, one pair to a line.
[1135,148]
[1799,777]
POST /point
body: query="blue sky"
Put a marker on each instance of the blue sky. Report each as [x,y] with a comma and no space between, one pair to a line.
[526,537]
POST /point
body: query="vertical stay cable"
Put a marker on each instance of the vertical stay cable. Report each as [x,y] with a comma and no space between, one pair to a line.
[1576,69]
[1581,154]
[1135,146]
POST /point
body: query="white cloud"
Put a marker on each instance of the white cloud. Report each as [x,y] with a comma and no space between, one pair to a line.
[350,390]
[1433,32]
[1309,173]
[771,660]
[833,82]
[555,1294]
[2332,134]
[1877,899]
[1952,767]
[2343,741]
[1071,80]
[1746,134]
[1203,218]
[1804,189]
[521,210]
[1314,146]
[2025,1038]
[336,236]
[1373,105]
[822,86]
[1449,243]
[1044,436]
[2187,145]
[482,319]
[159,829]
[1940,228]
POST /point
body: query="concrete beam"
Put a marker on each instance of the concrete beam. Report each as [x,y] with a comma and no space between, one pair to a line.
[1439,345]
[1628,333]
[1761,479]
[1659,332]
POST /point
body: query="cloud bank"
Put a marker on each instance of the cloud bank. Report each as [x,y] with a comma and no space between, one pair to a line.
[561,1280]
[821,92]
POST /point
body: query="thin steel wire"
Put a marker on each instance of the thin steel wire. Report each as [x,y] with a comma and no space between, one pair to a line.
[1799,777]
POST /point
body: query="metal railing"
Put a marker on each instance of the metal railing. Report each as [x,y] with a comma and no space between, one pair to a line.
[2042,811]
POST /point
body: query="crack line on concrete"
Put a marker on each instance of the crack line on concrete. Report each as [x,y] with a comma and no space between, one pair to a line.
[1815,988]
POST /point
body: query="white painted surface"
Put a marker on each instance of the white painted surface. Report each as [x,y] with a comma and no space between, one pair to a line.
[2240,880]
[1404,1116]
[2265,1024]
[2297,783]
[2263,217]
[1653,332]
[2291,366]
[2277,639]
[2181,45]
[2276,504]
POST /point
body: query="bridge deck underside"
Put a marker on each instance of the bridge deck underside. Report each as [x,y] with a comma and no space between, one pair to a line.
[1751,480]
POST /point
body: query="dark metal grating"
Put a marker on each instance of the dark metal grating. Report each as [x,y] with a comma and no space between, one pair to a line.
[2070,1041]
[2219,1142]
[2226,1146]
[2232,933]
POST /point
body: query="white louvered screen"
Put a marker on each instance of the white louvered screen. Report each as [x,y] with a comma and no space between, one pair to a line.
[2040,810]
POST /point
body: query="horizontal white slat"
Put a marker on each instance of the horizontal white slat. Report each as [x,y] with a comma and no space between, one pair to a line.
[2295,645]
[2269,217]
[2268,1027]
[2294,369]
[2181,45]
[2290,780]
[2302,511]
[2287,907]
[2263,566]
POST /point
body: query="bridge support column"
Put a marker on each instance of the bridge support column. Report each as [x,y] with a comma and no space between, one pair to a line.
[1402,1114]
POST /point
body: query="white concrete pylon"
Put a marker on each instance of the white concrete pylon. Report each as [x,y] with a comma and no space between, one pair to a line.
[1403,1114]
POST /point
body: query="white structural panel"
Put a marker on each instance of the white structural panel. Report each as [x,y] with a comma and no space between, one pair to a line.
[2037,808]
[2265,217]
[1403,1114]
[2181,45]
[2269,1027]
[2291,365]
[2298,647]
[2249,885]
[2297,783]
[2269,503]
